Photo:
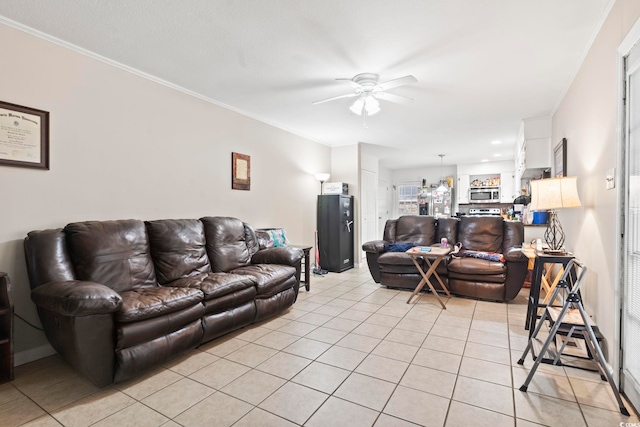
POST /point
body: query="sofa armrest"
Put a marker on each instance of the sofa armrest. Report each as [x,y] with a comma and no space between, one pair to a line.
[514,254]
[280,255]
[374,246]
[77,298]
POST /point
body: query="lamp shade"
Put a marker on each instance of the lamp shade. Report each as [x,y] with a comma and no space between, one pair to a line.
[554,193]
[322,177]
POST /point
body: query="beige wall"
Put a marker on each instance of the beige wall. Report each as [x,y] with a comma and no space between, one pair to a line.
[123,146]
[587,117]
[345,167]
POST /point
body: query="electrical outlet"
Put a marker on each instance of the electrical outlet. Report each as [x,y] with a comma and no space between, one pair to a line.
[610,179]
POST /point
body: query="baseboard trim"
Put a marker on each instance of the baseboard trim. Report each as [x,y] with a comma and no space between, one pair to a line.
[26,356]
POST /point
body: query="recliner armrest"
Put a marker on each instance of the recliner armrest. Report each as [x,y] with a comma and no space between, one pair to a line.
[77,298]
[514,254]
[280,255]
[374,246]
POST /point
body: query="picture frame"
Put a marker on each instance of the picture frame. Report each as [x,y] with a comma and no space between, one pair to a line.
[560,159]
[24,136]
[240,171]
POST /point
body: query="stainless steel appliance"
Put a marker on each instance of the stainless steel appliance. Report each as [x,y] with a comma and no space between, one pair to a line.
[484,211]
[435,203]
[484,195]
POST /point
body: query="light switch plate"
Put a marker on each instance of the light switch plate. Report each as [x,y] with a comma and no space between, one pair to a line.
[610,179]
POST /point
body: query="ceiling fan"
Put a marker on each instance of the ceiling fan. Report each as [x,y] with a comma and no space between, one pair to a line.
[369,91]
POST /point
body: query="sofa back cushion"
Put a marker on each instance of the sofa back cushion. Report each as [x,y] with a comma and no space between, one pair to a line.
[113,253]
[177,248]
[419,230]
[226,243]
[390,230]
[448,229]
[481,233]
[47,257]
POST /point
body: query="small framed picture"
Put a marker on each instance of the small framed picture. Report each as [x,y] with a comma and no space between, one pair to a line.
[240,171]
[24,136]
[560,159]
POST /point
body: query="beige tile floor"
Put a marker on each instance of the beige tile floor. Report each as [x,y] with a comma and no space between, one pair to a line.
[348,353]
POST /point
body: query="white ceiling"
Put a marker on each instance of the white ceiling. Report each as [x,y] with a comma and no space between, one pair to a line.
[482,66]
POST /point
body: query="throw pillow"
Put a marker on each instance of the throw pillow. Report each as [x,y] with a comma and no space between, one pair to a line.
[398,247]
[264,239]
[279,237]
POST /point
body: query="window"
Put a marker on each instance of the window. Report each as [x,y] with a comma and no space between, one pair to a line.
[408,199]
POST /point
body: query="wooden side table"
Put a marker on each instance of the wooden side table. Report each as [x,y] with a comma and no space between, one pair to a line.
[6,330]
[542,259]
[307,265]
[439,253]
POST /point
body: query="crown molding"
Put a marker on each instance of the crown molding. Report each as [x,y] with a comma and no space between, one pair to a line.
[139,73]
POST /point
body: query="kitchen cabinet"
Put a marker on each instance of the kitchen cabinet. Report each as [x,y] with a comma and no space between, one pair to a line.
[533,148]
[463,189]
[507,187]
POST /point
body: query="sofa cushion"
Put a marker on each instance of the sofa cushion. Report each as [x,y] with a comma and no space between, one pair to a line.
[419,230]
[177,248]
[147,303]
[267,276]
[481,233]
[112,253]
[132,333]
[226,243]
[395,258]
[476,266]
[216,285]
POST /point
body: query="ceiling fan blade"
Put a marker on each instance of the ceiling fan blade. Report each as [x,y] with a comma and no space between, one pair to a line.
[349,95]
[406,80]
[393,98]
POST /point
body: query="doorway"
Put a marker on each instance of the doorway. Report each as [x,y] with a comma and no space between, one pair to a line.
[630,232]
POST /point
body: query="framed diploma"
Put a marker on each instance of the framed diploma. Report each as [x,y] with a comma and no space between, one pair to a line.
[240,171]
[24,136]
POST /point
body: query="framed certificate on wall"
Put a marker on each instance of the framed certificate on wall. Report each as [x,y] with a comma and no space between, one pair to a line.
[24,136]
[240,171]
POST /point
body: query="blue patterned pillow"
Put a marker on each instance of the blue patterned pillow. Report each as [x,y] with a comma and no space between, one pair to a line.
[279,237]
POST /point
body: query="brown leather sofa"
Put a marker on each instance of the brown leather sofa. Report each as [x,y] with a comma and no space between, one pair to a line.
[465,276]
[116,298]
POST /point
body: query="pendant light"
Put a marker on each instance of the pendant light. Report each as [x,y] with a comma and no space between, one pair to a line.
[443,187]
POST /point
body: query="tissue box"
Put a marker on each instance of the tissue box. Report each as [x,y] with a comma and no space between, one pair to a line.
[335,188]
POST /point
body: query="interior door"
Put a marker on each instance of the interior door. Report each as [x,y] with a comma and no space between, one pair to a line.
[369,207]
[630,339]
[384,205]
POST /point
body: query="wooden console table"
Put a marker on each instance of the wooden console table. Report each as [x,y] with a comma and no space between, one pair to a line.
[307,266]
[6,330]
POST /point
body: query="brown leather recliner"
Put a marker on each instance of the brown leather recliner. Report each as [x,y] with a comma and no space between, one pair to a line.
[481,278]
[395,269]
[116,298]
[491,280]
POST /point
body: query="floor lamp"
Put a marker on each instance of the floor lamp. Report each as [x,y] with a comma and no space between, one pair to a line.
[550,195]
[322,177]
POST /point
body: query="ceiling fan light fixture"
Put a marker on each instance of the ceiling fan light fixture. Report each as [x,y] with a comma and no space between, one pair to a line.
[357,106]
[372,105]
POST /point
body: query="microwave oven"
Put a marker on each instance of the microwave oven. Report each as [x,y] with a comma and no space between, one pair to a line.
[484,195]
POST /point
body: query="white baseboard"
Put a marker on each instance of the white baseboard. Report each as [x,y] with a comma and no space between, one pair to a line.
[26,356]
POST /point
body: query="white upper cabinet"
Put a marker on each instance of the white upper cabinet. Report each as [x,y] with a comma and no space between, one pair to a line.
[507,187]
[463,189]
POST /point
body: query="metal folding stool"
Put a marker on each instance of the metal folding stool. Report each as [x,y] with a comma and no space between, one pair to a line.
[556,316]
